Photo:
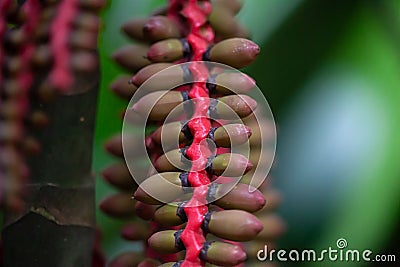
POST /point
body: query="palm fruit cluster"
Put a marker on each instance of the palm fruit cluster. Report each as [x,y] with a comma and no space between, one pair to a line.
[177,233]
[273,225]
[45,47]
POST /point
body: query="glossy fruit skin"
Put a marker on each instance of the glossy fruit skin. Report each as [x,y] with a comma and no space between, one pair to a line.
[233,207]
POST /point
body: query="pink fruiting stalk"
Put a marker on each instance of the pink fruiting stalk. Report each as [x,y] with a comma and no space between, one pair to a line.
[61,76]
[25,76]
[200,37]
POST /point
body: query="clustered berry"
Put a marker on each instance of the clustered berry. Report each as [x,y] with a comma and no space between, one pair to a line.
[202,223]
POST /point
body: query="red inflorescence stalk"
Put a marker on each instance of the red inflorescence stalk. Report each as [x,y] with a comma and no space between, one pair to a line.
[200,38]
[25,77]
[61,76]
[185,35]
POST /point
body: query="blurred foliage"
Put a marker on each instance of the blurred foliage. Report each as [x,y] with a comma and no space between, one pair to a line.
[330,70]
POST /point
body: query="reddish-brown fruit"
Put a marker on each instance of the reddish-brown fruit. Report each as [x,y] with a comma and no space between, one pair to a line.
[166,51]
[123,88]
[119,205]
[127,259]
[134,28]
[31,146]
[224,254]
[135,231]
[158,105]
[132,57]
[235,52]
[274,227]
[145,211]
[149,263]
[39,119]
[160,27]
[235,225]
[165,185]
[149,71]
[83,39]
[119,176]
[87,21]
[240,197]
[164,241]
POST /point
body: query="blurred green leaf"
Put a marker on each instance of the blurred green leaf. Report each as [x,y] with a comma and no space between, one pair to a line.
[340,138]
[271,13]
